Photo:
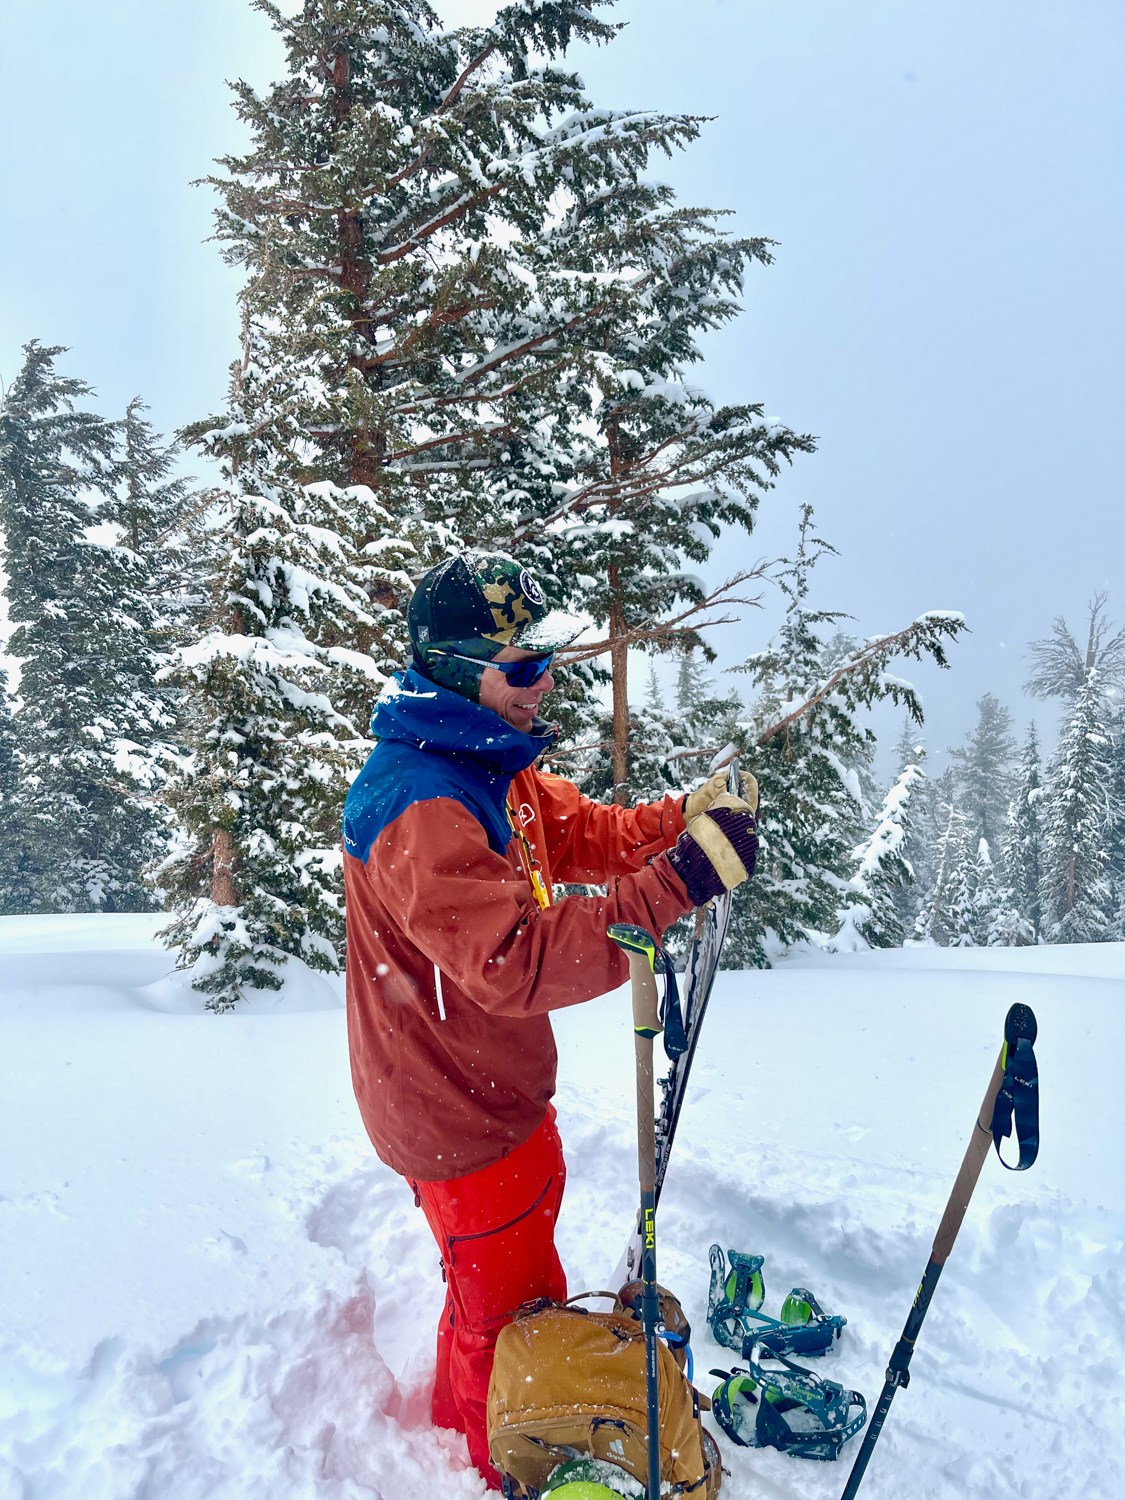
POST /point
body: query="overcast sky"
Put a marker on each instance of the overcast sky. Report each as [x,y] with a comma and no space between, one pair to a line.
[945,312]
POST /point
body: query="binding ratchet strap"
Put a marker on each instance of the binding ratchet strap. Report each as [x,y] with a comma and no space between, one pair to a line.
[790,1409]
[735,1318]
[1017,1103]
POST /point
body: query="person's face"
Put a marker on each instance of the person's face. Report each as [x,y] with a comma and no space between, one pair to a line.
[517,706]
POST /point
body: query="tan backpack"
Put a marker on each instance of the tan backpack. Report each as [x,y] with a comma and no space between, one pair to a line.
[569,1382]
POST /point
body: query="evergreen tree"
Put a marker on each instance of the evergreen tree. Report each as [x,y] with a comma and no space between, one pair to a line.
[84,831]
[808,741]
[962,899]
[467,309]
[884,877]
[10,875]
[984,913]
[1079,815]
[1024,846]
[1116,830]
[941,918]
[690,682]
[160,521]
[1061,667]
[917,849]
[670,749]
[654,697]
[147,517]
[255,878]
[1082,808]
[984,771]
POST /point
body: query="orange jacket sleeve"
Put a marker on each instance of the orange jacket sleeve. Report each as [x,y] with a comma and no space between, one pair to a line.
[472,913]
[594,841]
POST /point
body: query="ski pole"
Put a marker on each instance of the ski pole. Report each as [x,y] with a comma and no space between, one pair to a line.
[642,950]
[1012,1094]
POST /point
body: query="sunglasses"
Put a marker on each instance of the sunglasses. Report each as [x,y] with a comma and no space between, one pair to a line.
[518,673]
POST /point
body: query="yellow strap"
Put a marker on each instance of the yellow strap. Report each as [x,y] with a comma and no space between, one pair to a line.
[530,863]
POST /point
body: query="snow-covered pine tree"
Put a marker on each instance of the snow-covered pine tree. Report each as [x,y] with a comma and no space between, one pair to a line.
[1116,870]
[85,831]
[983,767]
[962,907]
[709,719]
[884,877]
[910,750]
[453,263]
[279,688]
[691,682]
[942,917]
[10,876]
[1079,814]
[161,521]
[149,524]
[1081,809]
[1061,667]
[670,748]
[983,912]
[807,742]
[1024,844]
[667,469]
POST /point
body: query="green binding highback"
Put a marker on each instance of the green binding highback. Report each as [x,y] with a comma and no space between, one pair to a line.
[568,1382]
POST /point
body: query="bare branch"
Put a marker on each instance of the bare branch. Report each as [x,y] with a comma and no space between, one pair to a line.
[669,630]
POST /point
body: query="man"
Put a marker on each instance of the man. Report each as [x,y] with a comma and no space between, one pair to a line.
[457,950]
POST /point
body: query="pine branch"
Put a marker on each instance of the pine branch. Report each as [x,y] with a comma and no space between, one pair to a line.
[677,627]
[466,73]
[921,635]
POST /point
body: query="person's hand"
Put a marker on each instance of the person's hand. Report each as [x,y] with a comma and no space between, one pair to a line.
[701,799]
[718,850]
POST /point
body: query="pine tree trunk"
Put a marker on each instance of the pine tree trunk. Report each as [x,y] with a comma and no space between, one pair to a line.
[619,667]
[365,456]
[222,869]
[619,650]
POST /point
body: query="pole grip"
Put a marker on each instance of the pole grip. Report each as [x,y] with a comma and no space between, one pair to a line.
[646,1025]
[646,1002]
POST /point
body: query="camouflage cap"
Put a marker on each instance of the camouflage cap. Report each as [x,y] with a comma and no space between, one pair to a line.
[486,596]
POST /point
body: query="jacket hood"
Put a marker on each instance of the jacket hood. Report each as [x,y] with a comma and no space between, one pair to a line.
[423,713]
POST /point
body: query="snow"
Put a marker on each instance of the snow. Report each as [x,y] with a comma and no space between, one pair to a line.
[214,1291]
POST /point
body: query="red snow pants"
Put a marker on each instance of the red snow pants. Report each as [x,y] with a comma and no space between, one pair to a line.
[496,1232]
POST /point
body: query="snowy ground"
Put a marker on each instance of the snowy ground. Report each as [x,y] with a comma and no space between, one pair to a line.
[211,1290]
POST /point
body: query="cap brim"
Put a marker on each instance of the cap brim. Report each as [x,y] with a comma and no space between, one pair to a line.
[551,633]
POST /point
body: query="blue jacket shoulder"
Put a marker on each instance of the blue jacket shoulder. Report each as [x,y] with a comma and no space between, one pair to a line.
[397,775]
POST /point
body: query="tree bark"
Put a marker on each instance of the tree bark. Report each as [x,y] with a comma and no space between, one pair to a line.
[619,643]
[619,669]
[222,869]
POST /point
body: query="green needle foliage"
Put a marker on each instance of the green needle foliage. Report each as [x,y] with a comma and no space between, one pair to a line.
[89,708]
[466,319]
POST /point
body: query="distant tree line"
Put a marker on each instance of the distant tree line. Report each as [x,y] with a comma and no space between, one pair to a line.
[468,319]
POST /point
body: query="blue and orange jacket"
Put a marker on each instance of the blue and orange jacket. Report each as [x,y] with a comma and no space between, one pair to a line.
[453,961]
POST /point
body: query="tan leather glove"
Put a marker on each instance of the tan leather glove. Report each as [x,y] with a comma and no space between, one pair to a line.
[702,798]
[718,850]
